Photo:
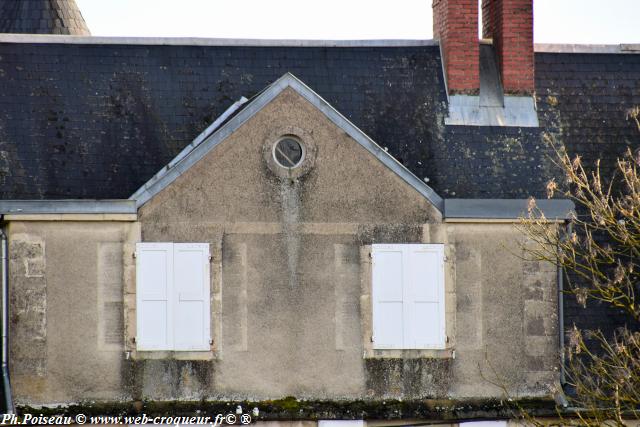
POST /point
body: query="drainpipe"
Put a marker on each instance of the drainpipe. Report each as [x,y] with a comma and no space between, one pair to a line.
[6,385]
[560,271]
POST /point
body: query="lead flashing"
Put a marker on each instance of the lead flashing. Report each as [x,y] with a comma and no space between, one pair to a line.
[199,41]
[588,48]
[465,110]
[170,173]
[506,209]
[31,207]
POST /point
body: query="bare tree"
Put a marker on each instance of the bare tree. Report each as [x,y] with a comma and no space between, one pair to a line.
[599,254]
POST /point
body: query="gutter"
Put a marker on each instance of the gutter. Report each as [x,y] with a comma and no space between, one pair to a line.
[6,384]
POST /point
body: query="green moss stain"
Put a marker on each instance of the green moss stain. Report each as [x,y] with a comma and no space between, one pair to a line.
[417,378]
[291,408]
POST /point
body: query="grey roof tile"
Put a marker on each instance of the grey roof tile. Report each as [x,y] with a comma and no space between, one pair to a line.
[42,17]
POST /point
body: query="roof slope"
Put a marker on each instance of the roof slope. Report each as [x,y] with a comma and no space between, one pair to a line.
[41,17]
[583,100]
[98,120]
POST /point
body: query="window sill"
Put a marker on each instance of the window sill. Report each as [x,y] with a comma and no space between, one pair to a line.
[176,355]
[446,353]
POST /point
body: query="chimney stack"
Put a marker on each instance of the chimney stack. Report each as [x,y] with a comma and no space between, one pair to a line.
[508,23]
[455,24]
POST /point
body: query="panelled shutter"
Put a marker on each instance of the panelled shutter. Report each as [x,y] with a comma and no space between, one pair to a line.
[408,296]
[388,295]
[191,296]
[425,303]
[154,289]
[173,310]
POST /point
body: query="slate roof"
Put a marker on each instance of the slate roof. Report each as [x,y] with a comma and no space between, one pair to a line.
[97,121]
[41,17]
[584,99]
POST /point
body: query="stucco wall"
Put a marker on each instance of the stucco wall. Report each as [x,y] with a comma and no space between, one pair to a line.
[66,309]
[506,313]
[290,287]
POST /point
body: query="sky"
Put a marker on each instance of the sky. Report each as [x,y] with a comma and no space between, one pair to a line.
[555,21]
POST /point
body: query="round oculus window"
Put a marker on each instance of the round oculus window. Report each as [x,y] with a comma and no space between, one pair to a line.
[288,152]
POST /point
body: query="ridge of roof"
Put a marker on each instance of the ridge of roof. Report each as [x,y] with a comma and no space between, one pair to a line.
[203,41]
[623,48]
[628,48]
[174,169]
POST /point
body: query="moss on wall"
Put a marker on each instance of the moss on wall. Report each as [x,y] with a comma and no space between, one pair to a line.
[290,408]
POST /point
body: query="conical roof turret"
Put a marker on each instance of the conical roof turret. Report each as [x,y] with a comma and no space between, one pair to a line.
[42,17]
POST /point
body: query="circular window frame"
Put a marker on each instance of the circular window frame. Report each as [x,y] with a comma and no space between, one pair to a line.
[297,140]
[302,137]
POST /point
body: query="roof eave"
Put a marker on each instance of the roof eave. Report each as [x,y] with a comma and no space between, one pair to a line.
[507,209]
[29,207]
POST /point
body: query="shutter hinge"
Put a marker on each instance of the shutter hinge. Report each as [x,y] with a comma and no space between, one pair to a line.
[446,339]
[210,342]
[210,258]
[370,255]
[446,258]
[372,340]
[133,340]
[134,254]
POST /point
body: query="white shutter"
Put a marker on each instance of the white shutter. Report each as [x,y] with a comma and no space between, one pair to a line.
[154,274]
[424,305]
[191,296]
[408,296]
[387,295]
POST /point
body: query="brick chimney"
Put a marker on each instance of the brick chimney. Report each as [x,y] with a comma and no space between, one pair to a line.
[509,23]
[455,24]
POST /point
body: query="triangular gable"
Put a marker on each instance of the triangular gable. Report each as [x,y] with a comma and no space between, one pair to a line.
[200,147]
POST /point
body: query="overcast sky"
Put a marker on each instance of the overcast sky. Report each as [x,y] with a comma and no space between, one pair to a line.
[556,21]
